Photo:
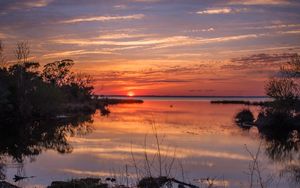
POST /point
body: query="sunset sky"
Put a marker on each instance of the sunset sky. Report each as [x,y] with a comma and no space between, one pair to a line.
[159,47]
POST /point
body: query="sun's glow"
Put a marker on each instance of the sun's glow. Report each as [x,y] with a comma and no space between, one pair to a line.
[130,94]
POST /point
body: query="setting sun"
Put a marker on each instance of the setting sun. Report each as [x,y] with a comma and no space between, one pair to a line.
[130,94]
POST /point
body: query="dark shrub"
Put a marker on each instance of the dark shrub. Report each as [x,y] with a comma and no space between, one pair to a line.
[244,116]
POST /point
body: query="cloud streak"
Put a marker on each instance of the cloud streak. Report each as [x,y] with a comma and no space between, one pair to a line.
[260,2]
[114,36]
[216,11]
[261,63]
[74,53]
[157,43]
[263,58]
[28,4]
[225,10]
[104,18]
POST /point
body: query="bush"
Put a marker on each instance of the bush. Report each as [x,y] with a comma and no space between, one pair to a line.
[245,116]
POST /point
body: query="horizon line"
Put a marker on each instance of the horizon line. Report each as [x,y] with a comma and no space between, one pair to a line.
[212,96]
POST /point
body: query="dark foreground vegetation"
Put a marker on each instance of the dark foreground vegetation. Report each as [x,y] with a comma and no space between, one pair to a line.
[147,182]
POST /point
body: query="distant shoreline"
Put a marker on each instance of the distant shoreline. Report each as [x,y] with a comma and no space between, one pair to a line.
[188,98]
[114,101]
[254,103]
[181,96]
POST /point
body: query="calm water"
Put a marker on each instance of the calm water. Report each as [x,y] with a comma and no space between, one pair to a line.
[201,137]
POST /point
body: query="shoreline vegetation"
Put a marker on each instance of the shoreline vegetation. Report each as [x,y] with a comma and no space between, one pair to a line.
[31,91]
[281,115]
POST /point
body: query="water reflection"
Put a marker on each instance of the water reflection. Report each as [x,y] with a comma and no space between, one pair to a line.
[206,141]
[27,140]
[20,140]
[279,129]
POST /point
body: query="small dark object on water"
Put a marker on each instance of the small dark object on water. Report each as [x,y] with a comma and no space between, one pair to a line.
[19,178]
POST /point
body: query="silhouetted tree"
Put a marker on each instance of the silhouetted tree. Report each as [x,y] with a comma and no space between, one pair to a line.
[292,67]
[2,60]
[22,52]
[79,88]
[58,72]
[282,89]
[25,91]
